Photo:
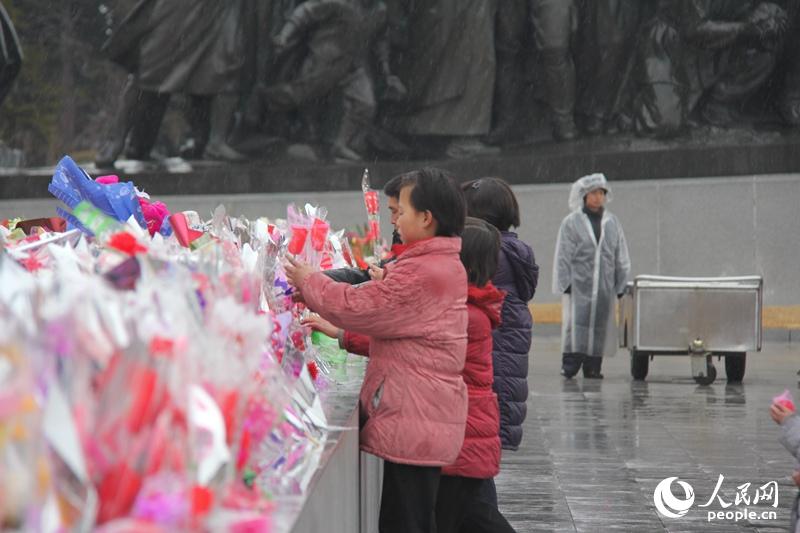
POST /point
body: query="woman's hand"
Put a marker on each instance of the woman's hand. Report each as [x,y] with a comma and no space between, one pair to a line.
[317,323]
[780,413]
[297,272]
[376,273]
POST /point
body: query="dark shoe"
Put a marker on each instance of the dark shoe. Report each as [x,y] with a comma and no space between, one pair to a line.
[591,368]
[571,364]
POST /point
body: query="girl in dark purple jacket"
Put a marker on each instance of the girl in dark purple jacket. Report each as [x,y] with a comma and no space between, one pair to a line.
[517,274]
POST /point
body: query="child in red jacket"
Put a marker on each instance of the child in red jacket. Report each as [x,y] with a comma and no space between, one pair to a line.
[413,401]
[479,459]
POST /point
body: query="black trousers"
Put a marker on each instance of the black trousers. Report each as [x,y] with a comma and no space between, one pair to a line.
[461,507]
[456,495]
[408,500]
[488,492]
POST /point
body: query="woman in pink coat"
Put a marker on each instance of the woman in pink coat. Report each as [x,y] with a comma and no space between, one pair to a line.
[413,401]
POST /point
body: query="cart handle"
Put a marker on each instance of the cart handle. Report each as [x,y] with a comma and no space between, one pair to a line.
[646,277]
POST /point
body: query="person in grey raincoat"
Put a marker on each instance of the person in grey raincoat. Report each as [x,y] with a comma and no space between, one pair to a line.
[591,268]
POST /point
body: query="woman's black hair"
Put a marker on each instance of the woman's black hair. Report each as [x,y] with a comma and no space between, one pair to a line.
[480,250]
[492,200]
[436,190]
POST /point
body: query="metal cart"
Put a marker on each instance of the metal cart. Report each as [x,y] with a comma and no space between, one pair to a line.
[696,317]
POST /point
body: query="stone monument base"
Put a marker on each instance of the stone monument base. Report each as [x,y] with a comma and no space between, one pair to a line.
[707,152]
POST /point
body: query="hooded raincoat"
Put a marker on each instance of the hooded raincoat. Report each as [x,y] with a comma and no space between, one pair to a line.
[589,274]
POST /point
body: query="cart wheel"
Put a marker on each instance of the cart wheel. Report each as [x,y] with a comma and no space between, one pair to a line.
[640,364]
[711,373]
[734,367]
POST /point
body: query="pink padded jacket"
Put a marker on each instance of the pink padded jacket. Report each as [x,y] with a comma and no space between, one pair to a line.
[413,400]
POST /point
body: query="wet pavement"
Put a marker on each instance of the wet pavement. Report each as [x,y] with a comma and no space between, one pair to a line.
[594,451]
